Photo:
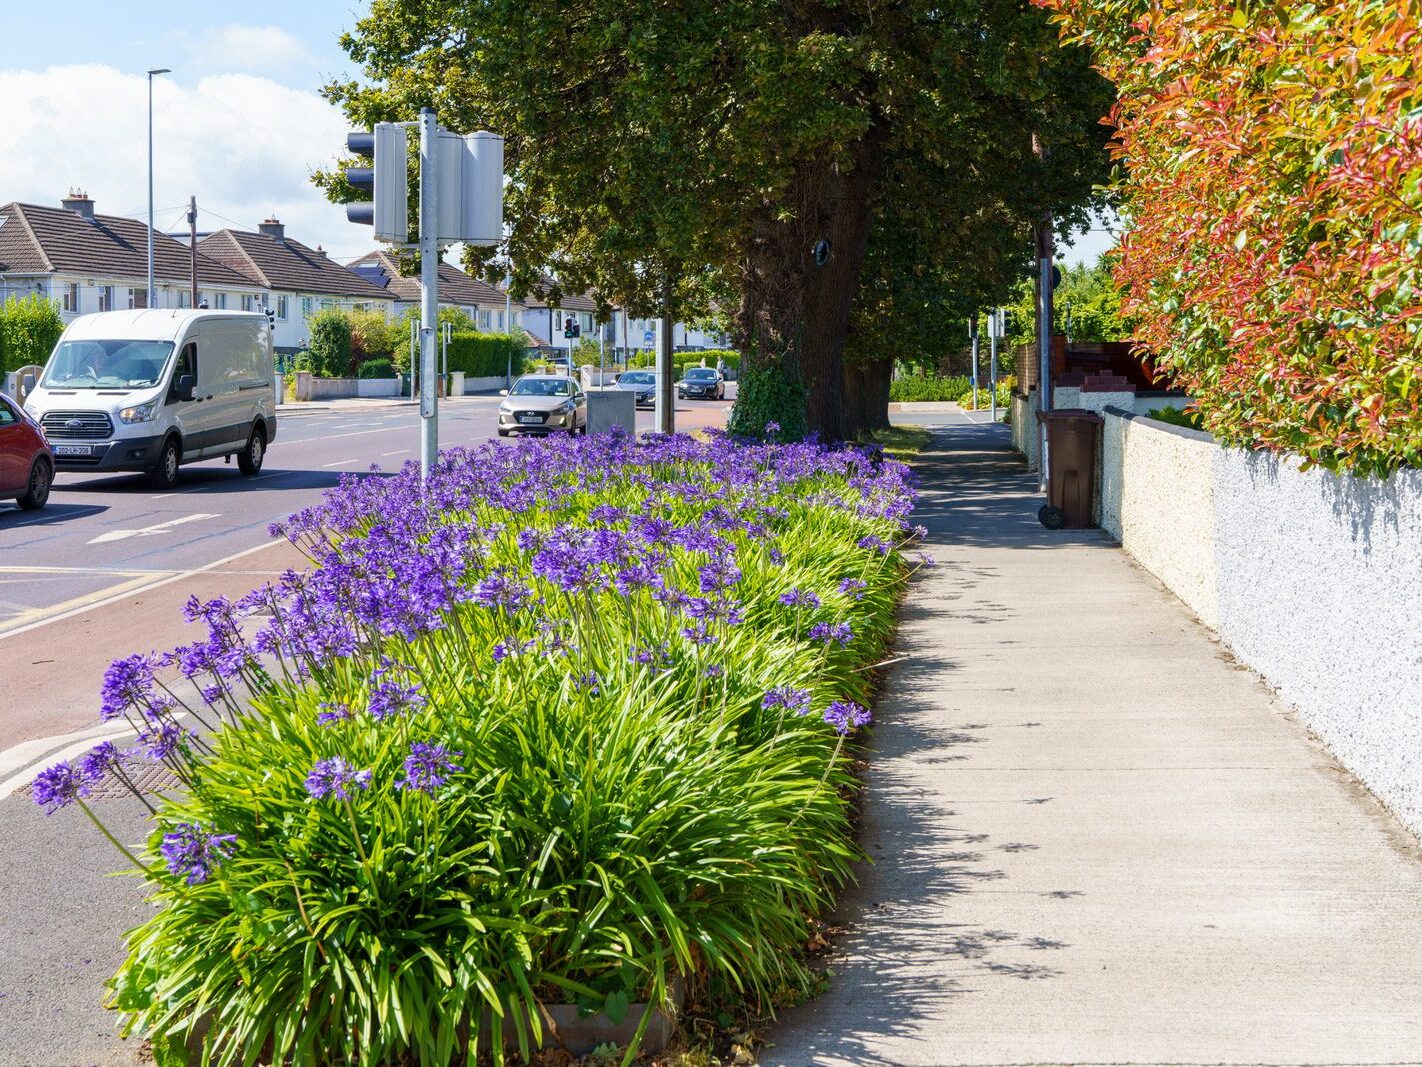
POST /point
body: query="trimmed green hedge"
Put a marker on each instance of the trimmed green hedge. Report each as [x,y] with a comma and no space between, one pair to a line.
[376,368]
[929,387]
[485,355]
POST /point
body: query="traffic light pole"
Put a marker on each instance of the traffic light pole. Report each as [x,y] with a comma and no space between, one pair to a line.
[429,291]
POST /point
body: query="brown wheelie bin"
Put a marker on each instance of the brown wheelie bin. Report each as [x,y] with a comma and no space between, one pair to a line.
[1071,468]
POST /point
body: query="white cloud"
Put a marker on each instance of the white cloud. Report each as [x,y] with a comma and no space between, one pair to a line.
[236,48]
[244,145]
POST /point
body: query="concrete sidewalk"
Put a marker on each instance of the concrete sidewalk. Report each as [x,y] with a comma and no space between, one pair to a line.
[1097,839]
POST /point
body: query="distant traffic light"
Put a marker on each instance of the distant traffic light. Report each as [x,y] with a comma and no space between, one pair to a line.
[385,181]
[571,327]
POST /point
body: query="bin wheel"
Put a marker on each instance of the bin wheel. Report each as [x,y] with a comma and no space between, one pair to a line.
[1050,517]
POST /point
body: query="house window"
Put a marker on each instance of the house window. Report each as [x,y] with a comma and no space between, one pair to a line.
[502,325]
[246,302]
[219,300]
[327,305]
[281,307]
[138,298]
[586,320]
[305,307]
[69,296]
[106,298]
[183,300]
[486,319]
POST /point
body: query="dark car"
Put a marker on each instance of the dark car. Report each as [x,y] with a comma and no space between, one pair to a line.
[641,382]
[26,463]
[702,383]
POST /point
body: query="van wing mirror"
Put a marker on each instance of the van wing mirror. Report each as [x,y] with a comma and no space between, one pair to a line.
[184,388]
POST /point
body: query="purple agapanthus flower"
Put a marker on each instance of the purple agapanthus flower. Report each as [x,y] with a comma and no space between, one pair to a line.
[99,761]
[714,670]
[800,598]
[193,851]
[57,787]
[832,632]
[777,557]
[428,767]
[162,740]
[843,715]
[128,683]
[877,544]
[389,698]
[853,587]
[589,682]
[335,777]
[336,711]
[787,697]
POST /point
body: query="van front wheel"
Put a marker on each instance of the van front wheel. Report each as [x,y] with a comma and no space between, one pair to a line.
[165,474]
[250,459]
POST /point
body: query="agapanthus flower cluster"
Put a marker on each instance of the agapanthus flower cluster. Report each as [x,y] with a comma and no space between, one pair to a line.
[427,767]
[336,777]
[832,633]
[193,851]
[844,715]
[799,598]
[787,697]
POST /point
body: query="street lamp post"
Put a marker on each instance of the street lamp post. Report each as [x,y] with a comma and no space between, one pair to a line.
[156,70]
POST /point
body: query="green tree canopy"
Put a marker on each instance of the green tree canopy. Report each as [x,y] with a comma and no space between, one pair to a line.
[668,157]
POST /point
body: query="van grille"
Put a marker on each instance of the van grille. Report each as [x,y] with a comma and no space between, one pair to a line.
[76,425]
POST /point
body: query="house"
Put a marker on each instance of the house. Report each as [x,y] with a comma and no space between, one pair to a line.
[486,304]
[300,280]
[641,335]
[86,262]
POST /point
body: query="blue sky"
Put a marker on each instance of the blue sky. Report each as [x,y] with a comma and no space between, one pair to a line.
[239,122]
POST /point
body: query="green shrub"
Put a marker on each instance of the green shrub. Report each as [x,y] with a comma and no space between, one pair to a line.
[376,368]
[1187,417]
[330,344]
[769,397]
[486,355]
[984,397]
[29,329]
[929,387]
[372,336]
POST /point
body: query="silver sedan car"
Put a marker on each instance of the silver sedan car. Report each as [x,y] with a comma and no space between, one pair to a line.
[543,403]
[641,382]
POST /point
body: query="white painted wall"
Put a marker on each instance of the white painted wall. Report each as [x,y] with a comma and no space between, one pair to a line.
[1312,579]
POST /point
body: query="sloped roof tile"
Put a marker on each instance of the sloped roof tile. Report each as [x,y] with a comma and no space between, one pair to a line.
[286,264]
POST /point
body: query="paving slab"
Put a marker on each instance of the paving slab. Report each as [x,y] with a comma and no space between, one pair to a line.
[1095,838]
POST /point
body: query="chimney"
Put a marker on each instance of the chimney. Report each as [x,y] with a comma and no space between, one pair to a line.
[272,228]
[78,202]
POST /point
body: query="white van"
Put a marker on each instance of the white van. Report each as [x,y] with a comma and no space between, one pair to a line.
[148,390]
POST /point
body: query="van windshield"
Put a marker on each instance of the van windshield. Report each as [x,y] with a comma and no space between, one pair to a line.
[125,364]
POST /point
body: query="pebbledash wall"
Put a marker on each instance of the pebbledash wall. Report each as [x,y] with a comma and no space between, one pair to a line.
[1312,579]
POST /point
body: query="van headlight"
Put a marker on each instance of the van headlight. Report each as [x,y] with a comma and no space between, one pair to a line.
[141,413]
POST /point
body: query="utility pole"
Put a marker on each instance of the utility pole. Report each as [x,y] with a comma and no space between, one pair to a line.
[429,289]
[994,333]
[1044,323]
[192,245]
[666,394]
[508,328]
[973,344]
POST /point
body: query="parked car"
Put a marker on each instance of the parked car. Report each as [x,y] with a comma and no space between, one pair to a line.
[541,404]
[26,464]
[148,390]
[703,383]
[641,382]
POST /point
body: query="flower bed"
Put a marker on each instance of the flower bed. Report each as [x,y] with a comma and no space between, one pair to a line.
[563,725]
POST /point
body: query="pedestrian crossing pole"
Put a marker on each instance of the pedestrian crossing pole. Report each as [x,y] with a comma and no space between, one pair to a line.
[429,291]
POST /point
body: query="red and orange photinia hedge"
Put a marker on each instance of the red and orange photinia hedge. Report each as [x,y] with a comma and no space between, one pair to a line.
[1272,190]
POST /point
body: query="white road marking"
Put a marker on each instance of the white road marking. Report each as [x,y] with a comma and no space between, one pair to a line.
[340,463]
[397,452]
[103,601]
[148,531]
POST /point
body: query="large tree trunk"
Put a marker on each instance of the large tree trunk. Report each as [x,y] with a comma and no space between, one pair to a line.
[795,314]
[866,396]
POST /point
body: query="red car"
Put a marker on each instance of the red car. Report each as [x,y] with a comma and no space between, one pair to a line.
[26,463]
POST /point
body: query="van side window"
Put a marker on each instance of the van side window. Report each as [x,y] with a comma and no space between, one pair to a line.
[187,365]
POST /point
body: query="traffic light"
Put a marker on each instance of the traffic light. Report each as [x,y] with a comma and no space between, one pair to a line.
[385,181]
[571,327]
